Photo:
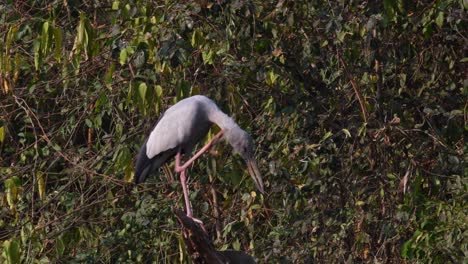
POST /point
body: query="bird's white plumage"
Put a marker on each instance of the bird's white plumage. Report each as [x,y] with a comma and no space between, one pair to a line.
[193,115]
[181,127]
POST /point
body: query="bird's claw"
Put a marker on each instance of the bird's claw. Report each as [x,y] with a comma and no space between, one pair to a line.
[199,222]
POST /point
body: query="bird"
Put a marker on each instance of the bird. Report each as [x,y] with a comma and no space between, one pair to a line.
[177,132]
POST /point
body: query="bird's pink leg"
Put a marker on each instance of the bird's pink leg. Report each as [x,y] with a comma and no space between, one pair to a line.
[179,168]
[183,181]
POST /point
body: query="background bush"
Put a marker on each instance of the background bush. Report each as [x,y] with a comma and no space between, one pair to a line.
[358,109]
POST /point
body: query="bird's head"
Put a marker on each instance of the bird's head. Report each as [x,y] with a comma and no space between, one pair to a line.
[243,144]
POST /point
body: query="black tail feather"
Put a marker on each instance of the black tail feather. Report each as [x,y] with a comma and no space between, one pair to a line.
[143,165]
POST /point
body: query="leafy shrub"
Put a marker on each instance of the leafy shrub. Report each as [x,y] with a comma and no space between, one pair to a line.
[358,110]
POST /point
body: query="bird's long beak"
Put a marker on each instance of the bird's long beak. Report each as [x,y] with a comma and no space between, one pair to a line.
[255,173]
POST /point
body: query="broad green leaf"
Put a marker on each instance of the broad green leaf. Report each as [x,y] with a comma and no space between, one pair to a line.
[123,57]
[271,77]
[12,190]
[197,39]
[158,90]
[236,245]
[98,121]
[129,173]
[89,123]
[208,56]
[11,249]
[142,91]
[405,248]
[440,19]
[115,5]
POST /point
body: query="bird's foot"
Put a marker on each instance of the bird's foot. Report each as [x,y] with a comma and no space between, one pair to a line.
[214,153]
[199,222]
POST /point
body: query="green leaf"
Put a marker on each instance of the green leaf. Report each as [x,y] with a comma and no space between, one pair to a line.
[98,121]
[271,77]
[37,54]
[40,184]
[440,19]
[183,90]
[123,57]
[142,91]
[115,5]
[10,37]
[197,39]
[407,248]
[2,134]
[108,76]
[58,44]
[324,43]
[12,190]
[208,56]
[360,203]
[11,249]
[45,39]
[236,245]
[158,90]
[89,123]
[60,246]
[340,35]
[326,136]
[346,132]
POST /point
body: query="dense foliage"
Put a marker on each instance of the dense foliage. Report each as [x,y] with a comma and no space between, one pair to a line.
[358,109]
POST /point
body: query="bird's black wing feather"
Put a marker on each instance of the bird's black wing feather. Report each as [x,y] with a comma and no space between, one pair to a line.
[143,163]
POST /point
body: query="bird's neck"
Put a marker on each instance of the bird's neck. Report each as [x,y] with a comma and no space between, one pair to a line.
[222,120]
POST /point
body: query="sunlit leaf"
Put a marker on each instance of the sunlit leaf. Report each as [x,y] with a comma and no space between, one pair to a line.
[197,39]
[142,88]
[12,186]
[37,54]
[208,56]
[58,43]
[45,38]
[123,57]
[115,5]
[40,184]
[326,136]
[2,134]
[346,132]
[236,245]
[440,19]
